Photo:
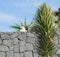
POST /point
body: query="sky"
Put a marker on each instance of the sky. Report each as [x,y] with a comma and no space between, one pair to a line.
[14,11]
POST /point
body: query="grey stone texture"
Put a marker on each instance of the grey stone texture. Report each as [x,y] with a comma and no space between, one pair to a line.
[4,48]
[18,54]
[28,54]
[0,41]
[35,55]
[5,36]
[15,41]
[10,54]
[16,44]
[2,54]
[8,42]
[22,46]
[16,48]
[22,36]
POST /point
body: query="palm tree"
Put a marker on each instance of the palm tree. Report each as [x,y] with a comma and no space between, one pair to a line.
[18,26]
[45,30]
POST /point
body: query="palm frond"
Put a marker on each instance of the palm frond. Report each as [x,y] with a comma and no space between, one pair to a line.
[18,26]
[45,30]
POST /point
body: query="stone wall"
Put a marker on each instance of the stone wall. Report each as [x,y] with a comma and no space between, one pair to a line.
[14,44]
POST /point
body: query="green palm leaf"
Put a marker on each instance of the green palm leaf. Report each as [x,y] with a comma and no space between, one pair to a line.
[18,26]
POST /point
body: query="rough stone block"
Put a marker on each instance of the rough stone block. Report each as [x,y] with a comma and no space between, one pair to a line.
[39,56]
[25,46]
[18,54]
[16,48]
[8,42]
[4,48]
[10,54]
[31,40]
[30,35]
[2,54]
[58,55]
[11,48]
[36,55]
[15,40]
[54,55]
[29,46]
[34,49]
[22,46]
[58,52]
[28,54]
[0,41]
[22,36]
[14,35]
[5,36]
[58,46]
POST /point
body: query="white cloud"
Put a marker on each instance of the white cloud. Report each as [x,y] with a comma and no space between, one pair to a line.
[6,21]
[6,18]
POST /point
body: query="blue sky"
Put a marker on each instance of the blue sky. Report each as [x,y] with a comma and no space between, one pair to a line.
[13,11]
